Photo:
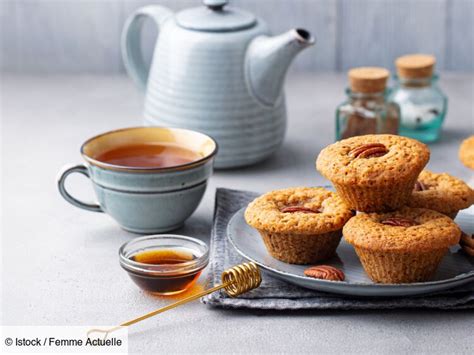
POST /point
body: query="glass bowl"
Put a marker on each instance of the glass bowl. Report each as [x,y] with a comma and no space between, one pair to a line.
[165,264]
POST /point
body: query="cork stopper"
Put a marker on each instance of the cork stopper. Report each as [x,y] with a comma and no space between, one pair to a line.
[368,79]
[415,66]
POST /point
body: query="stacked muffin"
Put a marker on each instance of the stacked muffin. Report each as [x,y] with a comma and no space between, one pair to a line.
[404,230]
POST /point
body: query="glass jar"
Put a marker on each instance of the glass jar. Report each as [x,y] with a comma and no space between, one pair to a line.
[366,113]
[366,110]
[423,107]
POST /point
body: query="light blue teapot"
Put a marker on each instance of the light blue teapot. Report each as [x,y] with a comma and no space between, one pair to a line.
[217,70]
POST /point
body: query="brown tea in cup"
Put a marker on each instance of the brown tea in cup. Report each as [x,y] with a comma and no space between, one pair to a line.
[148,155]
[149,179]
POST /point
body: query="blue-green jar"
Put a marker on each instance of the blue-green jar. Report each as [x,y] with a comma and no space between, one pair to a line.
[422,104]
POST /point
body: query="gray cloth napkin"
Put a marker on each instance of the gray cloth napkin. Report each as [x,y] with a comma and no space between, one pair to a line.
[276,294]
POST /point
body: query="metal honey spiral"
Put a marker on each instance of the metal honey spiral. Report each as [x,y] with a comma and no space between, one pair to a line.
[241,278]
[235,281]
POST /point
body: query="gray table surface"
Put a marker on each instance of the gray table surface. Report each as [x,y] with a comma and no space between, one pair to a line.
[60,263]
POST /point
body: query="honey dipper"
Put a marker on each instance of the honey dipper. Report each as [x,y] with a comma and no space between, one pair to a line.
[235,281]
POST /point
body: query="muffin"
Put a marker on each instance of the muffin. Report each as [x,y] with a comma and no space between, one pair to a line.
[441,192]
[300,225]
[466,152]
[403,246]
[375,172]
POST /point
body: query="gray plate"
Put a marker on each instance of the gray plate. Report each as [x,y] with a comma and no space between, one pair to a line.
[455,269]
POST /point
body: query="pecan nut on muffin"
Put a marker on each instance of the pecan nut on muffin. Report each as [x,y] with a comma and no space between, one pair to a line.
[466,152]
[441,192]
[375,172]
[403,246]
[299,225]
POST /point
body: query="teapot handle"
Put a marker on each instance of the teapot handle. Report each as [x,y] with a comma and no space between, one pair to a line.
[131,51]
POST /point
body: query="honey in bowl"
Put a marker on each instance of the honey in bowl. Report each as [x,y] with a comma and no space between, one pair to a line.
[164,264]
[148,155]
[169,283]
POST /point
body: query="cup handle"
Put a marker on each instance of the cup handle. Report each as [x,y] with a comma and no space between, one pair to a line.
[63,174]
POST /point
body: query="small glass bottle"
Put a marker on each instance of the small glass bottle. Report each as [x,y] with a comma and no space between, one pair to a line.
[422,103]
[366,110]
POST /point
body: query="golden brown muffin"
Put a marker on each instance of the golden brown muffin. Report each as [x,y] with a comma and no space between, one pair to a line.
[466,152]
[441,192]
[403,246]
[299,225]
[375,172]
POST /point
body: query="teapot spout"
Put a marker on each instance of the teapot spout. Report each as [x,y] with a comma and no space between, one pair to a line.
[268,59]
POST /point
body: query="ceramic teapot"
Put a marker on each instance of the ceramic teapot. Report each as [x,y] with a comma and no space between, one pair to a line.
[215,69]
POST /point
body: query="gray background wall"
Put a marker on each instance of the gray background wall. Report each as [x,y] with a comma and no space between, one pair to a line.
[83,36]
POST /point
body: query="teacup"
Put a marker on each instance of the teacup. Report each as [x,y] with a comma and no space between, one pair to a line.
[143,199]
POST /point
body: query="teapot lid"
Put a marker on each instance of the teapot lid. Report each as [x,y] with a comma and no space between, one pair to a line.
[215,18]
